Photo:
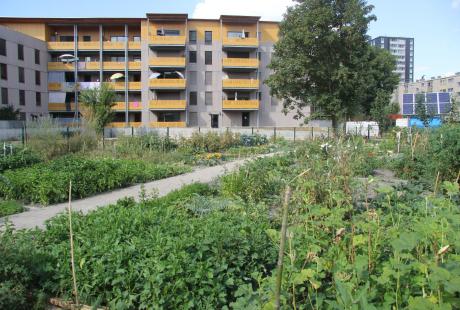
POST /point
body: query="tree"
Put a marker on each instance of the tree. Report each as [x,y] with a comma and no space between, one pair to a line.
[454,113]
[323,60]
[420,109]
[9,114]
[97,103]
[381,109]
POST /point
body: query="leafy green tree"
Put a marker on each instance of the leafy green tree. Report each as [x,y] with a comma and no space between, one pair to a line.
[97,106]
[420,110]
[381,108]
[323,60]
[9,114]
[454,114]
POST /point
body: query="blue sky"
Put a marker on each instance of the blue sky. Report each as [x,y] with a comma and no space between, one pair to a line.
[435,24]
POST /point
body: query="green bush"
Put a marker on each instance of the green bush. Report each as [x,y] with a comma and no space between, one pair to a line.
[142,143]
[20,158]
[10,207]
[49,182]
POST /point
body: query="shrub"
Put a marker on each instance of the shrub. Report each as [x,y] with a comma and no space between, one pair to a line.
[253,140]
[10,207]
[20,158]
[140,144]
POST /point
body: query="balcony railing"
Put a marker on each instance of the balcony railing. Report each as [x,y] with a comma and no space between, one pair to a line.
[167,83]
[240,63]
[61,46]
[60,107]
[167,40]
[240,42]
[91,65]
[167,104]
[132,106]
[134,45]
[59,66]
[167,62]
[95,45]
[124,124]
[121,85]
[240,84]
[240,104]
[54,86]
[167,124]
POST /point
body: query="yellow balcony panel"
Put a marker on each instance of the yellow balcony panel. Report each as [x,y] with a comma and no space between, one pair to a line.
[240,42]
[61,46]
[113,65]
[95,45]
[113,46]
[59,66]
[167,62]
[93,65]
[124,124]
[54,86]
[168,83]
[133,106]
[167,40]
[167,124]
[167,104]
[240,84]
[240,63]
[134,65]
[121,85]
[134,45]
[60,107]
[240,104]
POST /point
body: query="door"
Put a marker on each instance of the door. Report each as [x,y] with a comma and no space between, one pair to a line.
[214,121]
[245,119]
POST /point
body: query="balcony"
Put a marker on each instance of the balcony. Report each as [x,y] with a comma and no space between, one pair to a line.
[240,63]
[61,46]
[246,43]
[168,83]
[124,124]
[89,46]
[240,84]
[167,104]
[167,124]
[134,45]
[167,62]
[120,86]
[240,104]
[90,66]
[132,106]
[59,66]
[54,86]
[167,41]
[60,107]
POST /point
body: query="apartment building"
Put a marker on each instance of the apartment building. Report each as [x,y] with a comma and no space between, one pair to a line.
[23,74]
[436,93]
[168,70]
[403,50]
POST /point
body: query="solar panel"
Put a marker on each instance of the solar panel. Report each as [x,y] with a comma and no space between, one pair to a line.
[408,109]
[444,107]
[432,98]
[444,97]
[432,108]
[408,98]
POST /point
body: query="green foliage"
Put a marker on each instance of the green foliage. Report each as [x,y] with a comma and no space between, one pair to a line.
[420,109]
[10,207]
[98,103]
[21,157]
[336,84]
[9,114]
[381,109]
[253,140]
[142,143]
[49,182]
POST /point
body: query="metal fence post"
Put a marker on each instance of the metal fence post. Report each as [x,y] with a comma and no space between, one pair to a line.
[167,132]
[312,132]
[132,131]
[23,134]
[368,132]
[274,133]
[252,130]
[328,132]
[294,134]
[68,138]
[103,138]
[199,129]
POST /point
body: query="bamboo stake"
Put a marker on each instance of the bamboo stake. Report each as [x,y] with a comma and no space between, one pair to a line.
[279,273]
[436,184]
[72,259]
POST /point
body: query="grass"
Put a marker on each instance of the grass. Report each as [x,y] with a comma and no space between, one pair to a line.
[10,207]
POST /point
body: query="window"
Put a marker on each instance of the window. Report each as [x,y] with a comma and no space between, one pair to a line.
[3,72]
[136,38]
[86,38]
[38,99]
[37,57]
[37,78]
[4,95]
[168,32]
[193,98]
[118,39]
[192,77]
[3,47]
[208,37]
[192,57]
[22,97]
[208,58]
[208,98]
[20,52]
[259,96]
[237,34]
[193,119]
[66,38]
[192,36]
[259,55]
[208,78]
[21,74]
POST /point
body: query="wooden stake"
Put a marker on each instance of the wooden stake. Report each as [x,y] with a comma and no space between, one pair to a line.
[279,273]
[436,184]
[72,259]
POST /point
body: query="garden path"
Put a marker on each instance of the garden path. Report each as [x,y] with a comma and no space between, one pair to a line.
[36,217]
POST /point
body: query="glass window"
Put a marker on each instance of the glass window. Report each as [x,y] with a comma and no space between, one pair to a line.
[86,38]
[136,38]
[208,98]
[4,95]
[22,97]
[21,74]
[37,57]
[38,99]
[208,58]
[208,37]
[117,38]
[208,78]
[192,57]
[66,38]
[20,52]
[237,34]
[3,47]
[192,36]
[37,78]
[3,72]
[192,77]
[168,32]
[193,98]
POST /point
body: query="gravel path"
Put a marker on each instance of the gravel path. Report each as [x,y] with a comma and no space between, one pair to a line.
[36,217]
